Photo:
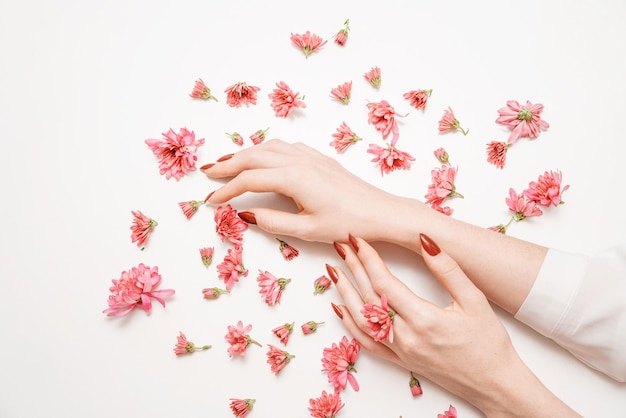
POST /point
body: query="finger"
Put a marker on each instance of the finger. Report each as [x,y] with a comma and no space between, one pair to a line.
[251,180]
[359,274]
[283,223]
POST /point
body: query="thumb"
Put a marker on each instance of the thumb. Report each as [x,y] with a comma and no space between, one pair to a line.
[277,222]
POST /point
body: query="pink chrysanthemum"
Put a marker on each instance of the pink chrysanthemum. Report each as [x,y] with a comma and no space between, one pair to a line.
[496,153]
[310,327]
[134,289]
[338,361]
[206,255]
[343,138]
[500,228]
[232,267]
[442,155]
[390,158]
[450,123]
[228,225]
[327,405]
[383,116]
[342,92]
[271,287]
[236,138]
[201,91]
[258,136]
[190,207]
[418,98]
[287,250]
[321,284]
[213,292]
[414,385]
[524,121]
[240,93]
[341,37]
[283,332]
[373,77]
[379,320]
[307,42]
[522,206]
[184,346]
[442,187]
[241,407]
[141,228]
[277,358]
[284,100]
[450,413]
[176,152]
[547,189]
[239,339]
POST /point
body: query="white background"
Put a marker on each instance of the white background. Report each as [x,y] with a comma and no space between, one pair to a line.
[84,83]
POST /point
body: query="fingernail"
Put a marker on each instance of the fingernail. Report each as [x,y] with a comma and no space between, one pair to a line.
[337,310]
[354,242]
[206,199]
[225,157]
[429,245]
[248,217]
[332,273]
[340,250]
[207,166]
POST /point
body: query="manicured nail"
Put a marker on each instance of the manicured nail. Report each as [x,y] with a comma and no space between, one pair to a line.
[332,273]
[354,242]
[206,199]
[225,157]
[207,166]
[337,310]
[340,250]
[429,245]
[248,217]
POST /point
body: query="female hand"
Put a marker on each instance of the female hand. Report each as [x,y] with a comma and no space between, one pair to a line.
[462,347]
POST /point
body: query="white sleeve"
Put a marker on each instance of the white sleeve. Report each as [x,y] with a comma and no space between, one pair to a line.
[580,302]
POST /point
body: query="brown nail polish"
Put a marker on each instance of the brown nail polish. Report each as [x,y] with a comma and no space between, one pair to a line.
[353,242]
[332,273]
[206,199]
[225,157]
[207,166]
[337,310]
[248,217]
[340,250]
[429,245]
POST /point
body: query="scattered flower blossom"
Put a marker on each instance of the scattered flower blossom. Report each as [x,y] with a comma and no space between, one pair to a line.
[134,289]
[307,42]
[341,37]
[176,152]
[190,207]
[206,255]
[496,153]
[327,405]
[450,123]
[441,188]
[522,206]
[213,292]
[450,413]
[390,158]
[338,361]
[239,339]
[232,267]
[201,91]
[524,121]
[373,77]
[240,93]
[442,155]
[284,100]
[287,250]
[241,407]
[258,136]
[321,284]
[277,358]
[342,92]
[500,228]
[418,98]
[141,228]
[414,385]
[379,320]
[383,116]
[283,332]
[343,138]
[270,287]
[236,138]
[310,327]
[228,225]
[184,346]
[547,189]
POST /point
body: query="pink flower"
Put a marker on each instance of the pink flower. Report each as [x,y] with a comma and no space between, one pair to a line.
[283,332]
[228,225]
[287,250]
[258,136]
[141,228]
[343,138]
[284,100]
[383,116]
[307,42]
[450,123]
[190,207]
[236,138]
[442,155]
[176,152]
[442,186]
[183,346]
[521,206]
[390,158]
[134,289]
[373,77]
[206,255]
[500,228]
[379,320]
[414,384]
[232,267]
[240,94]
[342,92]
[338,361]
[547,189]
[418,98]
[310,327]
[277,358]
[523,120]
[241,407]
[342,36]
[201,91]
[239,339]
[213,292]
[321,284]
[450,413]
[270,287]
[496,153]
[327,405]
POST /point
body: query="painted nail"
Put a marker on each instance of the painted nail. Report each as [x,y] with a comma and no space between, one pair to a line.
[332,273]
[207,166]
[248,217]
[225,157]
[337,310]
[206,199]
[354,242]
[340,250]
[429,245]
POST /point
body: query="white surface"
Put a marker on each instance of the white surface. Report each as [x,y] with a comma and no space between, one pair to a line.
[83,84]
